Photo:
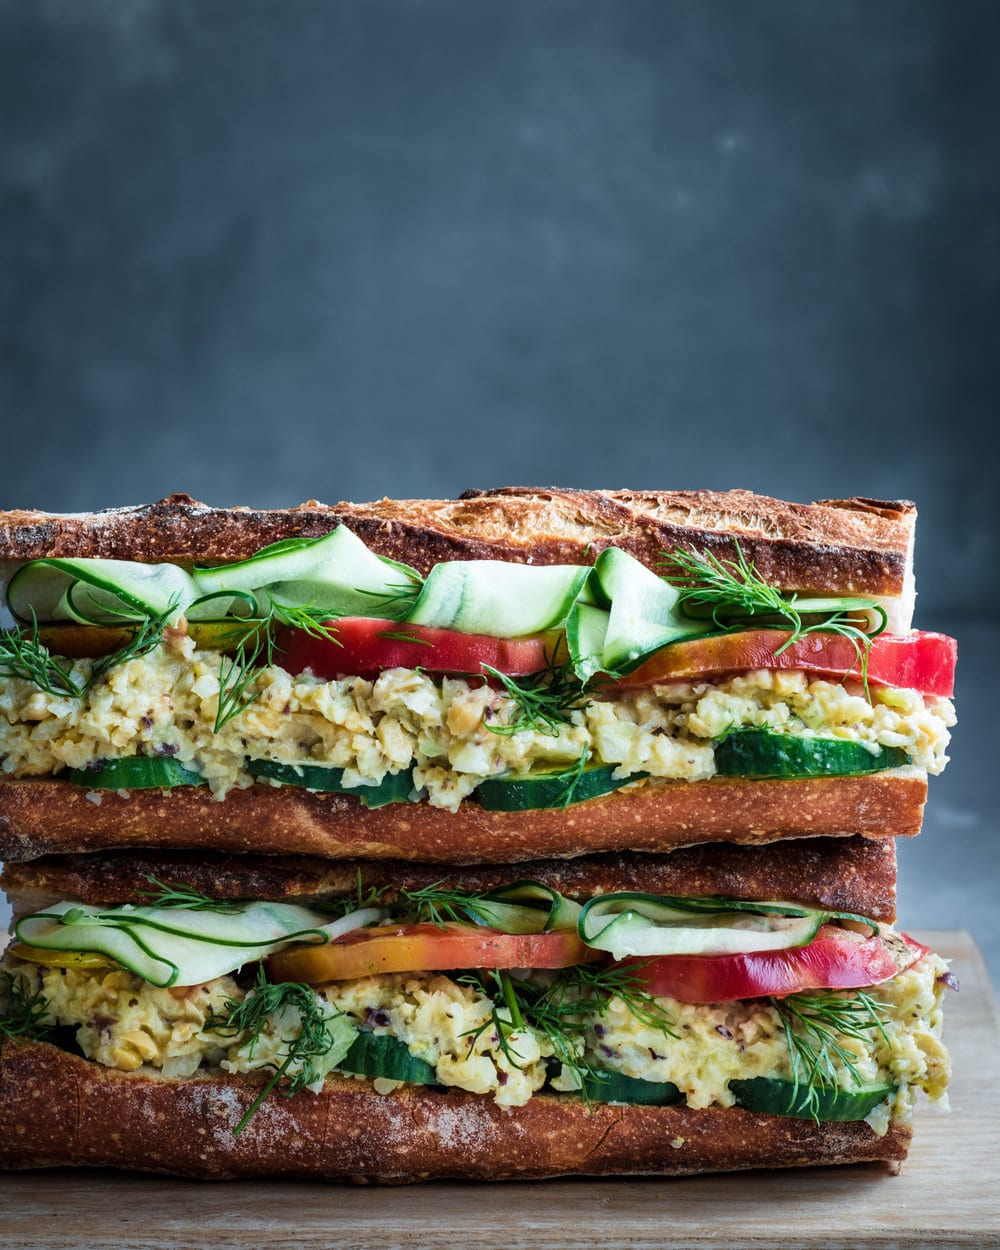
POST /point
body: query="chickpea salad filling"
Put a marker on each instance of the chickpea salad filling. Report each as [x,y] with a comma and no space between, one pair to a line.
[448,734]
[466,1037]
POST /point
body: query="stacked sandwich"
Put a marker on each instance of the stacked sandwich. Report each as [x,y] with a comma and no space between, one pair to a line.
[533,833]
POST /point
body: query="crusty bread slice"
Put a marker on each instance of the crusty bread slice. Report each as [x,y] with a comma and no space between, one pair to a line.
[60,1110]
[51,817]
[839,874]
[853,546]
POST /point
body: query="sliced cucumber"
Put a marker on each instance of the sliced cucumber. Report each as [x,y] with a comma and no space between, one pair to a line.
[98,592]
[643,611]
[394,787]
[173,945]
[521,792]
[764,753]
[502,600]
[336,573]
[586,632]
[382,1055]
[628,924]
[550,909]
[135,772]
[603,1085]
[802,1102]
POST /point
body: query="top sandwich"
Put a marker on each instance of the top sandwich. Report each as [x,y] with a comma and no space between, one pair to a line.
[513,675]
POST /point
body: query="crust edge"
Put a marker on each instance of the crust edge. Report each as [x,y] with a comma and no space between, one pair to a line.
[60,1110]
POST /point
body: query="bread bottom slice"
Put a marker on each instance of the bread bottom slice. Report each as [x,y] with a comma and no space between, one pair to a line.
[57,817]
[57,1109]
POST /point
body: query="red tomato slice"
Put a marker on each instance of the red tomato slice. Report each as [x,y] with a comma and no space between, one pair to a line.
[366,646]
[426,948]
[828,962]
[918,661]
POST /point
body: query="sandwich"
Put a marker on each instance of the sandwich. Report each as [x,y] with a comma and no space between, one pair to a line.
[513,675]
[535,833]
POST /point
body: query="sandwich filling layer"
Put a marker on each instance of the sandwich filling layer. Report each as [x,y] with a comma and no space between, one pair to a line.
[449,733]
[470,1040]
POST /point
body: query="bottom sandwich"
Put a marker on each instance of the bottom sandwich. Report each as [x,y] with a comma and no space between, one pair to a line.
[412,1030]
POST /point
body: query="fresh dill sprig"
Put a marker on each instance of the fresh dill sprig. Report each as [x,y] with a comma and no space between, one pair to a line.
[27,657]
[250,1017]
[432,904]
[733,592]
[398,598]
[254,649]
[24,1012]
[543,702]
[176,895]
[562,1010]
[812,1024]
[400,635]
[146,638]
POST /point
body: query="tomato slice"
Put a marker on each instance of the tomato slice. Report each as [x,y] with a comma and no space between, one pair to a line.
[919,661]
[834,960]
[366,646]
[426,948]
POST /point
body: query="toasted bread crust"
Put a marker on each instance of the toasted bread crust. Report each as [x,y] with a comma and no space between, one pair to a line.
[58,1110]
[854,546]
[840,874]
[51,817]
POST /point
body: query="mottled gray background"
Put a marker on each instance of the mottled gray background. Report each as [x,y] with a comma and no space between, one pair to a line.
[262,251]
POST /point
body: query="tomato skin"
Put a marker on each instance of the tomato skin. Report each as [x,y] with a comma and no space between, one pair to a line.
[365,646]
[827,962]
[918,661]
[426,948]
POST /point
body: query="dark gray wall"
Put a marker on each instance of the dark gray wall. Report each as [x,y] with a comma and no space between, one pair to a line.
[265,251]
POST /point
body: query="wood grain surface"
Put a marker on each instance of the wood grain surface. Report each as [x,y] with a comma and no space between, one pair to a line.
[948,1193]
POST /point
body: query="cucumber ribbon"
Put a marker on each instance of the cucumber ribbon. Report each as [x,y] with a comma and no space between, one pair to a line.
[180,945]
[169,946]
[615,613]
[627,924]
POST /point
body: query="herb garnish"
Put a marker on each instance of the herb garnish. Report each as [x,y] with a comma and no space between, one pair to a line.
[254,649]
[27,657]
[562,1010]
[543,702]
[176,895]
[25,1009]
[733,592]
[316,1038]
[811,1024]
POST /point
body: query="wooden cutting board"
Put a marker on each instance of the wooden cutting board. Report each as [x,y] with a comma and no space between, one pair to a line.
[948,1193]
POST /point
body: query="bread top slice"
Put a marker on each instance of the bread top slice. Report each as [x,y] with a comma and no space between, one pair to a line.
[838,874]
[848,546]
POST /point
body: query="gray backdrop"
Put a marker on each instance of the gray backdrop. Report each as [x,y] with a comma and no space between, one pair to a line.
[262,251]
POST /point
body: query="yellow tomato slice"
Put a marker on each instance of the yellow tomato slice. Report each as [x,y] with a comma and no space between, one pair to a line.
[426,948]
[60,959]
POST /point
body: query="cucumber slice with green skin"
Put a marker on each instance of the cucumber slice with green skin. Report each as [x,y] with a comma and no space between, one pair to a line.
[586,632]
[174,945]
[603,1085]
[336,573]
[644,615]
[552,909]
[135,772]
[98,592]
[531,791]
[627,924]
[502,600]
[777,1097]
[763,753]
[394,787]
[385,1056]
[184,945]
